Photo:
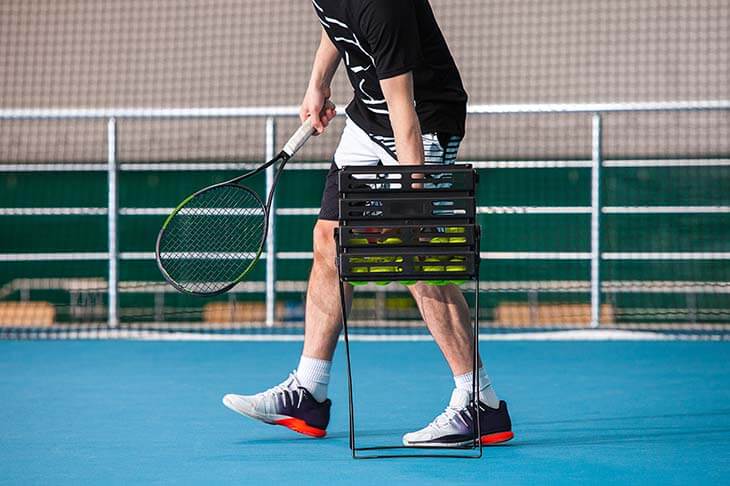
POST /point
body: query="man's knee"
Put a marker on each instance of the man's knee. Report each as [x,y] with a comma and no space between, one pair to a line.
[324,239]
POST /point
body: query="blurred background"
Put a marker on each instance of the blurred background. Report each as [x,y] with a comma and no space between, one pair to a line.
[601,131]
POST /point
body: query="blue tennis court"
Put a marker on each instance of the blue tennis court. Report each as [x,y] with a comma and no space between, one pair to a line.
[90,412]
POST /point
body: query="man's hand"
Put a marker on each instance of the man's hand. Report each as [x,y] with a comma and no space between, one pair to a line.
[317,106]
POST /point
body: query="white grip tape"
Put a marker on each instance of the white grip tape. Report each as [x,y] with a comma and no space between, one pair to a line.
[299,138]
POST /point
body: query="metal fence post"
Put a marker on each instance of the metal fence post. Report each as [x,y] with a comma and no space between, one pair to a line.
[271,239]
[596,163]
[112,233]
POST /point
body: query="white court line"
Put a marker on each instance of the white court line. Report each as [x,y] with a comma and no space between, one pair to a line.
[53,257]
[297,211]
[137,255]
[239,166]
[53,211]
[186,166]
[308,166]
[305,255]
[53,167]
[666,209]
[507,210]
[667,163]
[145,211]
[534,255]
[148,255]
[586,164]
[294,255]
[534,210]
[666,256]
[528,164]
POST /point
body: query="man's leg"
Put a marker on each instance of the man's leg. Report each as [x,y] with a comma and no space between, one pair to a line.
[300,402]
[323,314]
[447,316]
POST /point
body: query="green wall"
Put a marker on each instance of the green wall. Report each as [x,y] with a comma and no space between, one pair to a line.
[677,186]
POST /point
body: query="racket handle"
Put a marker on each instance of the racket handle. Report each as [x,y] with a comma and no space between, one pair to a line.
[299,138]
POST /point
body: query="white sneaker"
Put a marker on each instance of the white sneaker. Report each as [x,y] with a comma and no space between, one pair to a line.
[288,404]
[455,426]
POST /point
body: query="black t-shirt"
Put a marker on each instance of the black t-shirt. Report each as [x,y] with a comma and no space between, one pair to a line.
[380,39]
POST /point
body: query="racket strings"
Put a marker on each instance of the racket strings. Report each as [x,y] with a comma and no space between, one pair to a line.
[231,251]
[211,277]
[214,239]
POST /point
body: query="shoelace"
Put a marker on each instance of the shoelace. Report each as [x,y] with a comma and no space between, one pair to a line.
[448,416]
[284,389]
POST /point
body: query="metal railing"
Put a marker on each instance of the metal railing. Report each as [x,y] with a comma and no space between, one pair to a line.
[270,116]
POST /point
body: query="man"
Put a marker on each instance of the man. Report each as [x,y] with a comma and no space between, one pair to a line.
[409,108]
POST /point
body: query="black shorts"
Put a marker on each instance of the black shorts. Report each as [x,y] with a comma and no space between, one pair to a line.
[329,209]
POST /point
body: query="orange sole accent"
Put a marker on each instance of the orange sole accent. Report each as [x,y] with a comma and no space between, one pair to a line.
[497,438]
[299,425]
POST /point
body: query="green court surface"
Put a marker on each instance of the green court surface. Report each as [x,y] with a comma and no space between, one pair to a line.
[122,412]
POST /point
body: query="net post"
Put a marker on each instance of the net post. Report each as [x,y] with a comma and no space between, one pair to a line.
[112,212]
[596,163]
[271,237]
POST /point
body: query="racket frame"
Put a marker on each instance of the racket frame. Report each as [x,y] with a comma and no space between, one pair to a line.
[183,204]
[296,142]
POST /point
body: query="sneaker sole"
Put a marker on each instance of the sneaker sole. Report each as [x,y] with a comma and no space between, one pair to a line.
[301,427]
[489,439]
[497,438]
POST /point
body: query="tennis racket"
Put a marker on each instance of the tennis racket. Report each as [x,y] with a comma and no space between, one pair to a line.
[214,237]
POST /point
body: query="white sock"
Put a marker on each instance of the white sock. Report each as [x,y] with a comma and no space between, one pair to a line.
[314,375]
[486,392]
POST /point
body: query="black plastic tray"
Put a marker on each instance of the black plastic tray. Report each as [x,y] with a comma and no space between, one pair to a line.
[424,236]
[460,178]
[408,264]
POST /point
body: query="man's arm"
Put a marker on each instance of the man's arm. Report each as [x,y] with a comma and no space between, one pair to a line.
[398,92]
[316,100]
